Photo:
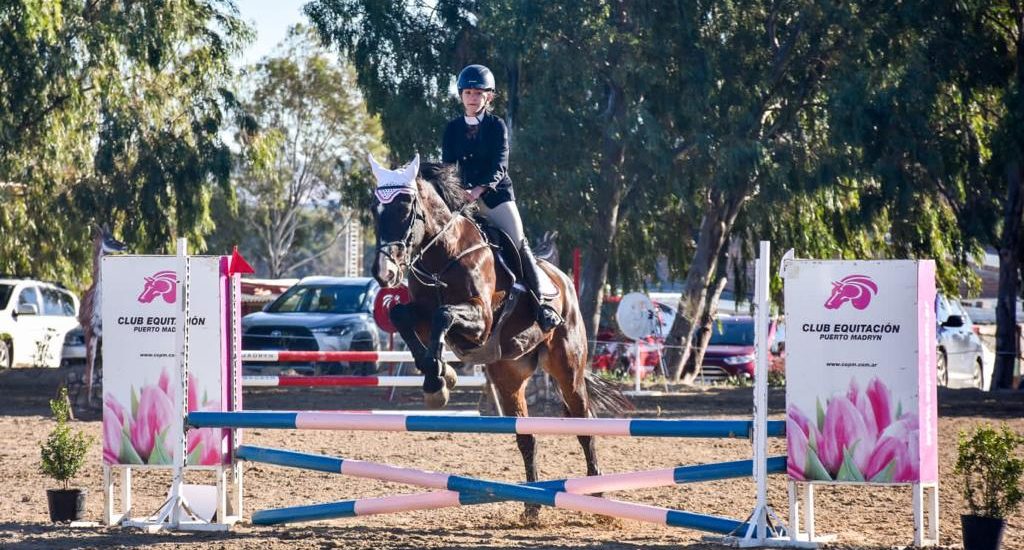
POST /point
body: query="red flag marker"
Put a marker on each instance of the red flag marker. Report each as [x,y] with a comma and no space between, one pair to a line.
[238,263]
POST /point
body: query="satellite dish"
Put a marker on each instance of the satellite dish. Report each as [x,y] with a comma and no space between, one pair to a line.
[636,316]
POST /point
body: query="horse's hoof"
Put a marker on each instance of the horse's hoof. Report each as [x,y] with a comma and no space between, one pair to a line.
[450,376]
[436,400]
[530,517]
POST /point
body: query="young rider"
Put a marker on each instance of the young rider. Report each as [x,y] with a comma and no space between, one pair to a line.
[478,143]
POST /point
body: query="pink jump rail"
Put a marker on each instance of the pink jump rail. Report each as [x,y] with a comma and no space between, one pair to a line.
[275,356]
[351,381]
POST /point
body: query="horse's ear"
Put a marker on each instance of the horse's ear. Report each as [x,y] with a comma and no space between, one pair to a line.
[377,169]
[412,169]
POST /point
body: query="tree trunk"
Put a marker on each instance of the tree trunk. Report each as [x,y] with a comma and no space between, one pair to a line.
[704,331]
[1009,268]
[596,255]
[1007,341]
[609,197]
[719,214]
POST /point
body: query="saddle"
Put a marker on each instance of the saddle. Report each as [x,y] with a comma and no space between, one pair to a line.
[511,261]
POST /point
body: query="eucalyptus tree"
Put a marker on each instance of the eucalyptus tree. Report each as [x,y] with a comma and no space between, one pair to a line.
[749,81]
[929,123]
[669,129]
[977,46]
[306,153]
[571,81]
[111,112]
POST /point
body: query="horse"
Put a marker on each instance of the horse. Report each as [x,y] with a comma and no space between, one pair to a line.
[90,314]
[462,295]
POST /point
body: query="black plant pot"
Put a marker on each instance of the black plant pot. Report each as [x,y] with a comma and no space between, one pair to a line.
[982,533]
[66,504]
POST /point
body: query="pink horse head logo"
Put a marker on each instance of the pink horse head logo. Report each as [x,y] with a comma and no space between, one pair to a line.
[162,283]
[856,289]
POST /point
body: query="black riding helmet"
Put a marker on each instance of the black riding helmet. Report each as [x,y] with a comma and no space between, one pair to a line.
[476,77]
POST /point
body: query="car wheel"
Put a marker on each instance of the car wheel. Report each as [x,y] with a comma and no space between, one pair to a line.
[978,377]
[364,368]
[942,368]
[5,355]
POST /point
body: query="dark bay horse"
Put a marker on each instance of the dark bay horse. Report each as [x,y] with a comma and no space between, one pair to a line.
[461,296]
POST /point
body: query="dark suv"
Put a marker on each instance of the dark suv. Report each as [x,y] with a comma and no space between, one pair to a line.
[731,349]
[317,314]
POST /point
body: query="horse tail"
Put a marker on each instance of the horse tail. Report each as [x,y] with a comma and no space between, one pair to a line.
[605,396]
[602,395]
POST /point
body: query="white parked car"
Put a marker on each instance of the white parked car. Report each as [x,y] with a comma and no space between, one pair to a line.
[960,360]
[35,317]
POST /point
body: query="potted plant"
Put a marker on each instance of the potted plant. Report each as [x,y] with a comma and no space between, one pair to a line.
[63,454]
[991,470]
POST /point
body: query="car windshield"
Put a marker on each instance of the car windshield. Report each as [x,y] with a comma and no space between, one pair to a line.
[5,295]
[732,333]
[320,299]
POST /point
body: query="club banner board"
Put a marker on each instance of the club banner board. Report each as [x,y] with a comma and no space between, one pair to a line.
[860,371]
[142,384]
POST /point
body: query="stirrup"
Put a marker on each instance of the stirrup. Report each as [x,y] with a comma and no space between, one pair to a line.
[548,319]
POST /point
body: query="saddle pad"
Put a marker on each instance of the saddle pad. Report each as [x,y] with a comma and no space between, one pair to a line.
[548,290]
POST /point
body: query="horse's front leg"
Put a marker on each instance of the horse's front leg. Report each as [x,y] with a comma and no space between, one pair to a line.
[406,317]
[438,376]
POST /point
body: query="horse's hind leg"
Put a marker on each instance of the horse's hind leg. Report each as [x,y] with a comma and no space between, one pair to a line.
[563,364]
[510,379]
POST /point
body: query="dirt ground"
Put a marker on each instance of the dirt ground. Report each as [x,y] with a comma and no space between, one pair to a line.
[861,517]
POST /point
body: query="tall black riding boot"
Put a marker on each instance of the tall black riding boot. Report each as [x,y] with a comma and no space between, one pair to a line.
[547,317]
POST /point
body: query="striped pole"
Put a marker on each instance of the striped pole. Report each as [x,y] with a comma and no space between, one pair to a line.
[276,356]
[409,412]
[314,420]
[530,494]
[443,499]
[350,381]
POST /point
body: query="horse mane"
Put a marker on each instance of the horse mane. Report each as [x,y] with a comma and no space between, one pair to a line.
[447,183]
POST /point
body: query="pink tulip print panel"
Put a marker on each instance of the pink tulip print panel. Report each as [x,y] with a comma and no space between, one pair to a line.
[144,395]
[139,431]
[860,371]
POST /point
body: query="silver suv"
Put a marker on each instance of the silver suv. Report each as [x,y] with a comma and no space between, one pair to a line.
[960,352]
[317,314]
[35,317]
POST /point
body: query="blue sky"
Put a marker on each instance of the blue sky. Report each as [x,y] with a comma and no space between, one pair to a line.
[270,19]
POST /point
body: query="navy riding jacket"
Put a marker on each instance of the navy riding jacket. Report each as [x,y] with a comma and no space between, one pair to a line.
[481,153]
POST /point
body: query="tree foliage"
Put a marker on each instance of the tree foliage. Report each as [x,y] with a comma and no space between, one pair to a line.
[111,112]
[306,155]
[647,131]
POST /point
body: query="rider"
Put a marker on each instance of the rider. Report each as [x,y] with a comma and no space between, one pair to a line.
[478,143]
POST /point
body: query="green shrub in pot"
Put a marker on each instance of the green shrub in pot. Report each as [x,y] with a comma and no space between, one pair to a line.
[62,456]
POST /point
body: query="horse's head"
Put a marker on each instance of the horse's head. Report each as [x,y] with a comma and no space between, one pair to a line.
[856,289]
[162,283]
[400,220]
[104,242]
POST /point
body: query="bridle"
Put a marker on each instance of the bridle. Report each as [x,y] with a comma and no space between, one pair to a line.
[405,244]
